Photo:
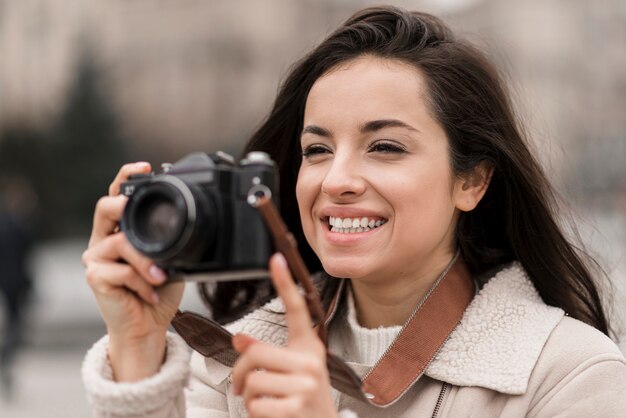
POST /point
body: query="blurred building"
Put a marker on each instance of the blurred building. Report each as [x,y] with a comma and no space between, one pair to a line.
[201,75]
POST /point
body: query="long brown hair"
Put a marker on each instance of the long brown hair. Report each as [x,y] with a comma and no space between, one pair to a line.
[516,219]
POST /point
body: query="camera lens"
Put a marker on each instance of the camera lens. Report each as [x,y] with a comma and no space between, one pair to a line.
[162,219]
[167,220]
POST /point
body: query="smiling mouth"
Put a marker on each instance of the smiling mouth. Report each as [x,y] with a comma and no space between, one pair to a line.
[354,225]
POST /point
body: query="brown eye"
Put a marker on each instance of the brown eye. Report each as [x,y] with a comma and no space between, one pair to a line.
[313,150]
[386,148]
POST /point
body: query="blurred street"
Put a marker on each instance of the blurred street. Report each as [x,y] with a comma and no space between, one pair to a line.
[48,383]
[62,324]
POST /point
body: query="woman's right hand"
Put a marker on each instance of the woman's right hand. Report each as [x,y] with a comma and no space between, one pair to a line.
[137,310]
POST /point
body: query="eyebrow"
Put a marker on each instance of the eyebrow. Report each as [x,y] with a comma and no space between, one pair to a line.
[368,127]
[316,130]
[377,125]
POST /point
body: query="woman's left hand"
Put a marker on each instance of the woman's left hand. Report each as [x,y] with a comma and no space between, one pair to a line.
[284,382]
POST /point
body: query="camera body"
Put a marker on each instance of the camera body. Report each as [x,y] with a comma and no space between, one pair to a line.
[197,215]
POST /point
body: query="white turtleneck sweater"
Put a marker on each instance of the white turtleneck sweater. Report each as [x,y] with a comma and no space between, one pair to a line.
[354,343]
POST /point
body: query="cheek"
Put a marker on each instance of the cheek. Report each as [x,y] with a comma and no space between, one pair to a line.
[301,190]
[305,194]
[423,206]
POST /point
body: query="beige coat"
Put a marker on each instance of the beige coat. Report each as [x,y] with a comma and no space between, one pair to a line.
[511,356]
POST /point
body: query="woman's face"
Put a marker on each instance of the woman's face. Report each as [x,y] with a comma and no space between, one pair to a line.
[375,190]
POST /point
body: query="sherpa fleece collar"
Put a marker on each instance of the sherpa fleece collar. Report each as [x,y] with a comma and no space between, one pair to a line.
[500,337]
[496,345]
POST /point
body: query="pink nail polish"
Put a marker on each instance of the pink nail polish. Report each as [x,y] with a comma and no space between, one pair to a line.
[280,259]
[157,274]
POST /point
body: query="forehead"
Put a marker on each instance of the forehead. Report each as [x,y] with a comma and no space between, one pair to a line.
[369,85]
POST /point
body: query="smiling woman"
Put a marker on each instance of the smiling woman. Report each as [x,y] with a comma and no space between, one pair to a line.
[449,287]
[377,152]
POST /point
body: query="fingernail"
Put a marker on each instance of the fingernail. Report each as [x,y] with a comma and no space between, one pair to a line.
[157,274]
[235,390]
[236,341]
[280,259]
[155,297]
[141,164]
[241,342]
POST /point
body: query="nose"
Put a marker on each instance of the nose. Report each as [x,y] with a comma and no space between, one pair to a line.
[344,179]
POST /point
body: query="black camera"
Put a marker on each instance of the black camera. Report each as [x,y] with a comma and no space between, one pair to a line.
[197,218]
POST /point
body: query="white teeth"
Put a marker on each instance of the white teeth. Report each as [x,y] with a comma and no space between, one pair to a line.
[353,225]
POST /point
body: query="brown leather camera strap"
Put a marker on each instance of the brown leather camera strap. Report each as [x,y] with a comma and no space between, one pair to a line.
[421,337]
[402,364]
[286,244]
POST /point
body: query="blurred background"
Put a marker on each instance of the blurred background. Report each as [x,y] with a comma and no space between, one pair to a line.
[88,86]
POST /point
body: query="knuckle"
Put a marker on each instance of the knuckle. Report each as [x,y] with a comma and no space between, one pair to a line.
[254,352]
[144,263]
[310,364]
[85,258]
[236,373]
[298,304]
[294,408]
[247,359]
[246,381]
[102,203]
[94,278]
[309,386]
[314,367]
[119,239]
[90,274]
[123,173]
[127,273]
[254,380]
[254,407]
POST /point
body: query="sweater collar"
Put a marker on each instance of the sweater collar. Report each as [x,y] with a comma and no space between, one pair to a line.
[414,348]
[495,345]
[500,337]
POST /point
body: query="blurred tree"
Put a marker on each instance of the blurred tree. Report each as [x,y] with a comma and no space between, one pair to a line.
[88,150]
[23,152]
[71,165]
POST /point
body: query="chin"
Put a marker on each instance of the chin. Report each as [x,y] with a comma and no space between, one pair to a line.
[342,270]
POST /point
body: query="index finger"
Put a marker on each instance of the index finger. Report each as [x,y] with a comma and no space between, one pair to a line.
[126,171]
[106,217]
[298,318]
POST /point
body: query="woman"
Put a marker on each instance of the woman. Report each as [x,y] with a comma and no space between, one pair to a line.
[402,169]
